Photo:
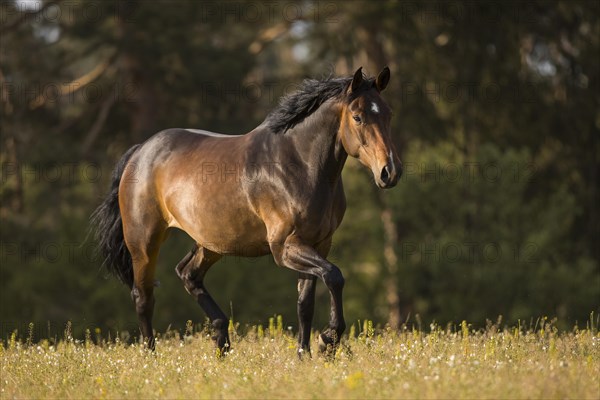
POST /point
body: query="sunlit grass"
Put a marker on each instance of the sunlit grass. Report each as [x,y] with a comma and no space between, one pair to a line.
[435,363]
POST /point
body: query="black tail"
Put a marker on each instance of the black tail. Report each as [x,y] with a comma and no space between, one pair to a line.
[106,221]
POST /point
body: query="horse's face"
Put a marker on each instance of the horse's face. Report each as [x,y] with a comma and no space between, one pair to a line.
[365,129]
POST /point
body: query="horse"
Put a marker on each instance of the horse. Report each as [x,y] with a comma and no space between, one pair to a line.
[277,189]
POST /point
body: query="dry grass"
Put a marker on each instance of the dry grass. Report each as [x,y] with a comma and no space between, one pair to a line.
[508,363]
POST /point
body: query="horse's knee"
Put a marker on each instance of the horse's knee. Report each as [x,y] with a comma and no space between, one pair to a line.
[334,279]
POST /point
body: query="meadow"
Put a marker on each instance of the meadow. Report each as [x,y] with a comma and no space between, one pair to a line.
[456,361]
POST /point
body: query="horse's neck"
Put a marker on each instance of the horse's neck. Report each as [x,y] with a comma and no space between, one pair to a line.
[317,142]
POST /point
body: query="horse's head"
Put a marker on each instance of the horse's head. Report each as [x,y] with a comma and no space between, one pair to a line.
[365,128]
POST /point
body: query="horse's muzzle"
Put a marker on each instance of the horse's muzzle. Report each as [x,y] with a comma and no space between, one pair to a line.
[389,176]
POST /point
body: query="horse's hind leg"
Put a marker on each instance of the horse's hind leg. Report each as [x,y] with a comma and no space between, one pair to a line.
[144,246]
[192,270]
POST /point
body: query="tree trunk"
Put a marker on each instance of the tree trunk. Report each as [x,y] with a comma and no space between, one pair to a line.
[391,263]
[16,202]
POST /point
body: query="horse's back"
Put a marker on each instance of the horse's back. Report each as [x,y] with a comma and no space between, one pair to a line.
[210,134]
[173,138]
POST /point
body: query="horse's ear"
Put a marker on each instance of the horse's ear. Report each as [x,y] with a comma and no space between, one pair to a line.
[382,79]
[356,80]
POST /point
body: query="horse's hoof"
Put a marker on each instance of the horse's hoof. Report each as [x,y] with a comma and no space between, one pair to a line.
[223,346]
[223,351]
[304,353]
[151,344]
[221,337]
[327,344]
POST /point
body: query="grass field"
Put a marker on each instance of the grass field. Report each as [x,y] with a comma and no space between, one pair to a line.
[434,363]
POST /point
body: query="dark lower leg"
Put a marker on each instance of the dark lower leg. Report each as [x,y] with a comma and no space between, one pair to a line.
[192,270]
[305,259]
[306,307]
[144,306]
[337,325]
[219,320]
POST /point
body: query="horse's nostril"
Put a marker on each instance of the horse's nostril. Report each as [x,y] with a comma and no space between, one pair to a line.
[385,174]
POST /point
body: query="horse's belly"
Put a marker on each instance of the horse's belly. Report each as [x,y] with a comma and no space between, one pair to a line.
[235,237]
[223,227]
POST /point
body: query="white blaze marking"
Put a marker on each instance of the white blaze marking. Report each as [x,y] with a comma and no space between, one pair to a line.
[375,108]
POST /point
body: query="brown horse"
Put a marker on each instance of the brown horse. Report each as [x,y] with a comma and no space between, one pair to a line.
[276,189]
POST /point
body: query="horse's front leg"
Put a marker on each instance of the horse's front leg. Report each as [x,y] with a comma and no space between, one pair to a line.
[306,310]
[296,255]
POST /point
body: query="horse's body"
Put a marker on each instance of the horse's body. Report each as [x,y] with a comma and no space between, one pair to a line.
[277,189]
[230,180]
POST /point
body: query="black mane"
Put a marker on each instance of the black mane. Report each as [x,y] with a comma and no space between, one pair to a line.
[295,107]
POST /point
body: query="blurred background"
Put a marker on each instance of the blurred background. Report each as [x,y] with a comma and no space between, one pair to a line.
[496,117]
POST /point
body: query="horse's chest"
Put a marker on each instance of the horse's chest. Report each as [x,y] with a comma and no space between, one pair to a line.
[319,217]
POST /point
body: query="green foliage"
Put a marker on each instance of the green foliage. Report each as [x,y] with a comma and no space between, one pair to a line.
[475,239]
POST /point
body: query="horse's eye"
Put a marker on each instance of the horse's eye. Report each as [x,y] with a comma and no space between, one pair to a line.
[356,118]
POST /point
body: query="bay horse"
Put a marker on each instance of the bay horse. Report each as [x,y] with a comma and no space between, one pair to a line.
[277,189]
